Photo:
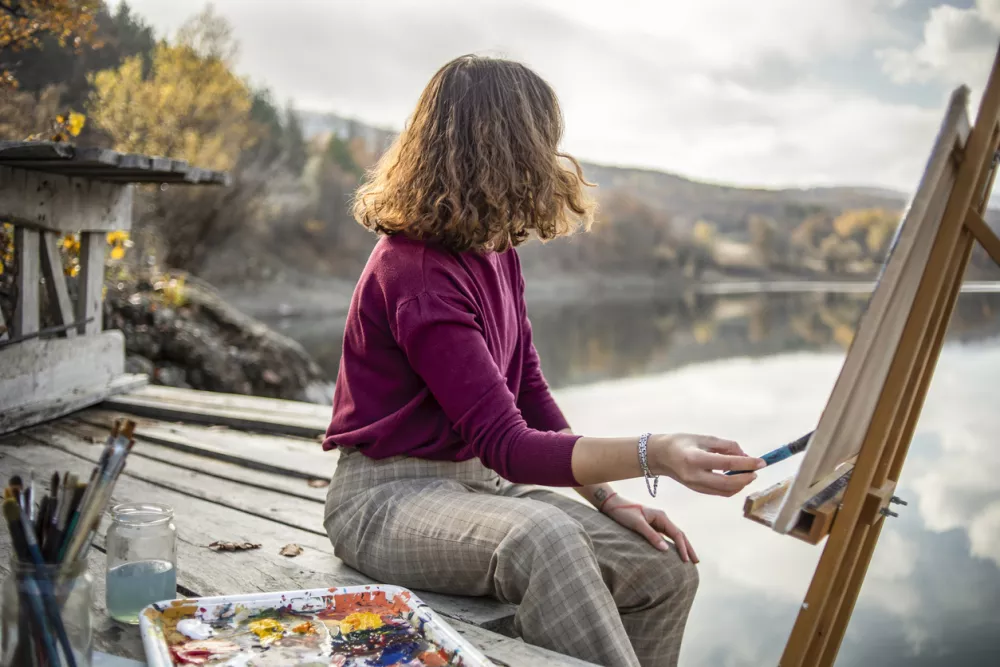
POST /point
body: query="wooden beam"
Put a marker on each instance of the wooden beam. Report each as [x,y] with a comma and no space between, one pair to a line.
[63,204]
[41,379]
[986,236]
[55,282]
[90,293]
[27,306]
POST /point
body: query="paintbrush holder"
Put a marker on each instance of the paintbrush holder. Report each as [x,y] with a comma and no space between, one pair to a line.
[31,598]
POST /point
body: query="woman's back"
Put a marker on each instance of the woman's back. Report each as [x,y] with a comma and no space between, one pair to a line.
[415,310]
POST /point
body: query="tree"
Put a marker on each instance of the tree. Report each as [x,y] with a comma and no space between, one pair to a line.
[268,146]
[24,23]
[191,106]
[294,142]
[338,152]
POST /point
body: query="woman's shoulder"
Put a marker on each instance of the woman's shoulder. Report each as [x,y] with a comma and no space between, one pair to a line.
[403,267]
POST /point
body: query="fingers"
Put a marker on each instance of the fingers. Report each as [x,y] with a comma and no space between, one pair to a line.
[646,530]
[721,446]
[663,524]
[716,484]
[712,461]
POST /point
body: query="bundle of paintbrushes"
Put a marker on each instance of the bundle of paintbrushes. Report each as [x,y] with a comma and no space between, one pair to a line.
[50,537]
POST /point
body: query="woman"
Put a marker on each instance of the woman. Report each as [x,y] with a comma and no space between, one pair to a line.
[443,418]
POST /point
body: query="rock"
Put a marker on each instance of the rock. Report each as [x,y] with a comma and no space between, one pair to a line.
[207,344]
[139,365]
[171,376]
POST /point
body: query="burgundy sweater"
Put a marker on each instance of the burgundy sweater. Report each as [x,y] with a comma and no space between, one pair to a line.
[438,363]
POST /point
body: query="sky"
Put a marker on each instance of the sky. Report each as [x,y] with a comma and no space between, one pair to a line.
[769,93]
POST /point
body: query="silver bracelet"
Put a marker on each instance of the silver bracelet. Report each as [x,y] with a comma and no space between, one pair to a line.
[645,466]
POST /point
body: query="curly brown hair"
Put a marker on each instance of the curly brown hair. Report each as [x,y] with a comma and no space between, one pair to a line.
[478,166]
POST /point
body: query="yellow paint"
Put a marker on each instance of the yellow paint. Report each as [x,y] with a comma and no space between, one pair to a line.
[267,630]
[362,620]
[304,628]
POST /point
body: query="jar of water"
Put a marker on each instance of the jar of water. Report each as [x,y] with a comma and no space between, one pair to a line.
[142,559]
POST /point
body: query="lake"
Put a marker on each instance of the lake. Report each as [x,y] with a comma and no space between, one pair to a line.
[758,369]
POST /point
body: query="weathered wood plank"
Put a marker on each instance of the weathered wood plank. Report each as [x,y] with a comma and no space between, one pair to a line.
[43,379]
[61,203]
[91,282]
[249,477]
[55,281]
[284,455]
[27,307]
[201,522]
[295,418]
[203,399]
[267,504]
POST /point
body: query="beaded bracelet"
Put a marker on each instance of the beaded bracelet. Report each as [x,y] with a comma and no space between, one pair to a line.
[645,466]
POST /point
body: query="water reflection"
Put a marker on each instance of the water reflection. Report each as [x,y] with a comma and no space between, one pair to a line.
[932,595]
[582,343]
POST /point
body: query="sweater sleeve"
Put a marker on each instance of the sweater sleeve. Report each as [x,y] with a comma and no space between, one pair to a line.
[534,399]
[444,344]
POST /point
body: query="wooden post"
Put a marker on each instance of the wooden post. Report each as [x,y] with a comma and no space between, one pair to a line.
[91,286]
[26,310]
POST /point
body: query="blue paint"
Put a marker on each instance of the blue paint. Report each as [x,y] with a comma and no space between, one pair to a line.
[397,653]
[781,453]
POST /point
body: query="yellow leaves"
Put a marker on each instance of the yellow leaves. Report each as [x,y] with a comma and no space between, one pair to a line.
[118,240]
[24,23]
[76,122]
[70,243]
[172,290]
[189,107]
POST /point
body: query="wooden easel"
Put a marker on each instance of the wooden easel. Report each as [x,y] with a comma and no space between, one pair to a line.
[848,476]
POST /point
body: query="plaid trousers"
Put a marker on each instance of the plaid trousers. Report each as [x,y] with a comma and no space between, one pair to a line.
[584,585]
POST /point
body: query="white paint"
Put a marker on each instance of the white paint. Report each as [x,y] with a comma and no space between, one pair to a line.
[195,629]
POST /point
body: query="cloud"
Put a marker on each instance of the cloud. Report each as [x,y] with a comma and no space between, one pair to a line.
[770,93]
[932,586]
[957,46]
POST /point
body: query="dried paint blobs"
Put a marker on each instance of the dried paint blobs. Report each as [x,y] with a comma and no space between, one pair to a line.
[267,630]
[200,652]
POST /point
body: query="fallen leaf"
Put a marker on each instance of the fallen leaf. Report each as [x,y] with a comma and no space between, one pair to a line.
[319,483]
[233,546]
[290,550]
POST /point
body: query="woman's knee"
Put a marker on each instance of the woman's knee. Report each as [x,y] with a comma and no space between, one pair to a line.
[545,530]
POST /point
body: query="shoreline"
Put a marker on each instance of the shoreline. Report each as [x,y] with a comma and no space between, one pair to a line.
[331,297]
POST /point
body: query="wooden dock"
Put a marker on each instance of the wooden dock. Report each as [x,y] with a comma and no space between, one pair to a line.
[234,468]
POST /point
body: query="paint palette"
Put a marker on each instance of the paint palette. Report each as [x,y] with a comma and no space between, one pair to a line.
[356,626]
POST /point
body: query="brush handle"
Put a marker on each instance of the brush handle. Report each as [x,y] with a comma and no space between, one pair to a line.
[781,453]
[48,592]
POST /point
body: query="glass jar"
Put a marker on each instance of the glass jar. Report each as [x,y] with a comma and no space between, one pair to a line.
[142,559]
[29,591]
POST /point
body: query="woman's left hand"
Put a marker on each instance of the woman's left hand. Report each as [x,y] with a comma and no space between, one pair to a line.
[651,523]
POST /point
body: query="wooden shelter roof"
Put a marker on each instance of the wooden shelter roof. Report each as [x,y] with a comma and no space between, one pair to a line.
[103,164]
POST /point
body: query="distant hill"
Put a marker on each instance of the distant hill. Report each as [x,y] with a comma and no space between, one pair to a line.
[687,200]
[655,222]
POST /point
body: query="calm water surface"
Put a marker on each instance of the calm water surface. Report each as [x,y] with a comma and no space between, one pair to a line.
[759,369]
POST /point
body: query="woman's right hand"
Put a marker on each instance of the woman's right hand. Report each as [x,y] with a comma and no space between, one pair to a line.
[694,461]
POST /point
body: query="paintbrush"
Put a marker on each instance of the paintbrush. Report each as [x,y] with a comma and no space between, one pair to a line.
[781,453]
[48,593]
[12,514]
[98,493]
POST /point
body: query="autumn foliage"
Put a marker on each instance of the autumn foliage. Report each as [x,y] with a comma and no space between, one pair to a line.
[23,24]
